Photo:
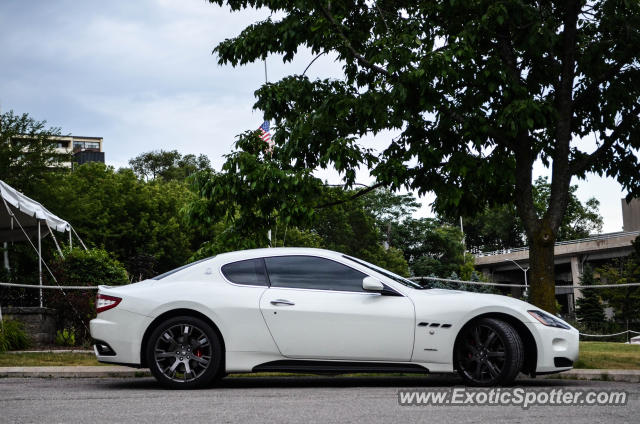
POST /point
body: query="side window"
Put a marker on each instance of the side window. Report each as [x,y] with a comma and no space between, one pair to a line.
[310,272]
[249,272]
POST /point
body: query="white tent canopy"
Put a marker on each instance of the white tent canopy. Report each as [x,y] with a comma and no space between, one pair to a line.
[28,212]
[22,219]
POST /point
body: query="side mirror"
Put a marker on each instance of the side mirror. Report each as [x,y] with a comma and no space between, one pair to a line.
[372,285]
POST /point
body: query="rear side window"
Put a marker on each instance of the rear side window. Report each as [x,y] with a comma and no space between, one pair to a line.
[249,272]
[173,271]
[310,272]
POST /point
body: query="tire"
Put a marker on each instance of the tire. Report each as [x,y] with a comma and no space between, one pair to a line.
[184,352]
[488,352]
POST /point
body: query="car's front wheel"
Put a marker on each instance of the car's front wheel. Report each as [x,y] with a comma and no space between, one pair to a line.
[184,352]
[489,352]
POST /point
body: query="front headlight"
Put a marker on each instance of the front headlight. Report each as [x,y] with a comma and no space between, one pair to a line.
[548,320]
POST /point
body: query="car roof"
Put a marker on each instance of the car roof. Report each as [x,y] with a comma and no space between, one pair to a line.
[276,251]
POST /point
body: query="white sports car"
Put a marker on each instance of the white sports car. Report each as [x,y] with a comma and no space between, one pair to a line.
[311,310]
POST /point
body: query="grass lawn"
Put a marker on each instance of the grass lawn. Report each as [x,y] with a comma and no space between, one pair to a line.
[46,359]
[593,355]
[605,355]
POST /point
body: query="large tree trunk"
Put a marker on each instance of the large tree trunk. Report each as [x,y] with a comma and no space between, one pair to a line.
[542,291]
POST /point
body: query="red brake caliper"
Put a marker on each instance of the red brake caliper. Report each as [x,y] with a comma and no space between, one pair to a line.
[198,353]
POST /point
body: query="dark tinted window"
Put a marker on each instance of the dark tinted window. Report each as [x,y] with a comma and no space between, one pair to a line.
[249,272]
[309,272]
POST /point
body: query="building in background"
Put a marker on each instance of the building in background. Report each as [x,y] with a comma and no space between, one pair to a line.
[511,265]
[630,215]
[83,149]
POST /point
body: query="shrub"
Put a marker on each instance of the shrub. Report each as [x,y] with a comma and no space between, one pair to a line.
[65,337]
[12,335]
[75,308]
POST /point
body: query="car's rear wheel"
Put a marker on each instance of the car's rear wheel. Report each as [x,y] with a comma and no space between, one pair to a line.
[489,352]
[184,352]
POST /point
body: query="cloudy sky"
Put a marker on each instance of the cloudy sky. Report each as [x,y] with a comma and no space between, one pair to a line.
[141,75]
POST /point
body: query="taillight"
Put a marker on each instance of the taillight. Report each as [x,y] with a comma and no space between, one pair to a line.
[105,302]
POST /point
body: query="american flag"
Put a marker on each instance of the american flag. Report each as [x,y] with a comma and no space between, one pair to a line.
[265,135]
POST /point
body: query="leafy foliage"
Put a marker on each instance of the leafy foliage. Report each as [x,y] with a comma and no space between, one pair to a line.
[168,165]
[477,90]
[429,246]
[12,335]
[389,209]
[128,217]
[28,160]
[579,221]
[65,337]
[75,308]
[253,188]
[77,267]
[256,192]
[625,301]
[439,284]
[499,227]
[589,308]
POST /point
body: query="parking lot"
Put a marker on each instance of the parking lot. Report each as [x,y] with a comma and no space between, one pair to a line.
[282,400]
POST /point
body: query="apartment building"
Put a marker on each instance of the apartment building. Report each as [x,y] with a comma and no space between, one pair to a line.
[83,149]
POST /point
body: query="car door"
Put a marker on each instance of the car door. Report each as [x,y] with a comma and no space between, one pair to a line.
[316,308]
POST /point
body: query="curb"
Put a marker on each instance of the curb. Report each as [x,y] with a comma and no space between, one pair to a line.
[626,376]
[18,352]
[73,372]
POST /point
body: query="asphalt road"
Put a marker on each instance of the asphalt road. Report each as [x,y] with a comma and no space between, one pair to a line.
[281,400]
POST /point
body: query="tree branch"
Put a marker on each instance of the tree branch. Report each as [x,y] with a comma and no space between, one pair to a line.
[382,17]
[583,163]
[361,59]
[508,56]
[560,174]
[602,78]
[495,133]
[311,63]
[354,196]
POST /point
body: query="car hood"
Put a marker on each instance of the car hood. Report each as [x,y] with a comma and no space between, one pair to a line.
[467,301]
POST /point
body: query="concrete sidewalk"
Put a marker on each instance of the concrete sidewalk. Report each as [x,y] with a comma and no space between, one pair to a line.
[628,376]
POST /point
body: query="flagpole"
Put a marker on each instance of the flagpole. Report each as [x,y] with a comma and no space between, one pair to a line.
[265,70]
[266,80]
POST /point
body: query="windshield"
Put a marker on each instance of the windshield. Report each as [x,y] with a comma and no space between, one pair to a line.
[388,274]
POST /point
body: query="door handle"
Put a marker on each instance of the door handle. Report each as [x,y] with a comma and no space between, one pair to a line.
[282,302]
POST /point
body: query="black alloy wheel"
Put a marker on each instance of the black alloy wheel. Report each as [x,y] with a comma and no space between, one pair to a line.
[489,352]
[184,353]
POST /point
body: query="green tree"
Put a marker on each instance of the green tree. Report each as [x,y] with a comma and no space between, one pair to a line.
[28,159]
[625,301]
[476,90]
[255,192]
[430,247]
[589,309]
[128,217]
[579,221]
[494,228]
[77,267]
[499,227]
[389,209]
[168,165]
[351,228]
